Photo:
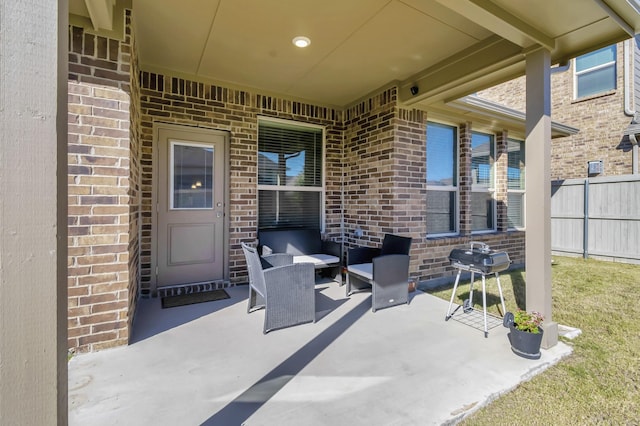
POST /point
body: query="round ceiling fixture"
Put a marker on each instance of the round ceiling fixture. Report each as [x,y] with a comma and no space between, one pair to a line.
[301,41]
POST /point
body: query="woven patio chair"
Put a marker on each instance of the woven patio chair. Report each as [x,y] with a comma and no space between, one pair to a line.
[285,290]
[385,270]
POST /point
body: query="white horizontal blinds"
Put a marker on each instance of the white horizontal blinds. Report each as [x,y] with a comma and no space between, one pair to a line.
[442,179]
[515,183]
[595,72]
[289,175]
[483,182]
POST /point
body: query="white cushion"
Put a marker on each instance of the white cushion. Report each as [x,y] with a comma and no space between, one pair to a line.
[319,260]
[365,270]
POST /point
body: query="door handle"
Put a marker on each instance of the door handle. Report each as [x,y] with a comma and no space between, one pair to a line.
[218,214]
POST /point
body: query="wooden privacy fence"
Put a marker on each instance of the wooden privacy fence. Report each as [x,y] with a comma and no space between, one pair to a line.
[597,217]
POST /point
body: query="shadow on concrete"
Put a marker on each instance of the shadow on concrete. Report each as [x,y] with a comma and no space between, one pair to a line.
[246,404]
[151,319]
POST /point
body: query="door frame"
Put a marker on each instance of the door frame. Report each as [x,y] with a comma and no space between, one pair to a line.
[157,126]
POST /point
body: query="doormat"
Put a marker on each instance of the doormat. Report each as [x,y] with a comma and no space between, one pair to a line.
[191,298]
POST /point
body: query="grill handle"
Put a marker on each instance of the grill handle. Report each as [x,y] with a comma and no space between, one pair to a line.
[483,247]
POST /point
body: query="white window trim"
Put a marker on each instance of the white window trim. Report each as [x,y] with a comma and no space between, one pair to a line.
[279,188]
[577,73]
[491,189]
[455,189]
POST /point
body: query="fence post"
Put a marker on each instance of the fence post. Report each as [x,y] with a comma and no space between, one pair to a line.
[585,232]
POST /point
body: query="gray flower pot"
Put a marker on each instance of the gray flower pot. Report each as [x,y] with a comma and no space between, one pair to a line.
[525,344]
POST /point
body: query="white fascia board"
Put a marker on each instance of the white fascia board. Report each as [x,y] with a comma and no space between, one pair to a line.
[500,112]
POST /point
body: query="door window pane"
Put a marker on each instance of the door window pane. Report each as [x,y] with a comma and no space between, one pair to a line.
[191,176]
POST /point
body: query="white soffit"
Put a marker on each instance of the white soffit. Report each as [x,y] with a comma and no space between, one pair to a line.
[449,48]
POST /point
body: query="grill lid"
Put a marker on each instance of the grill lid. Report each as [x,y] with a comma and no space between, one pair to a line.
[479,258]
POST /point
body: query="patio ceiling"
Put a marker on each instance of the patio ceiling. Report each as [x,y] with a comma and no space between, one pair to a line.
[446,48]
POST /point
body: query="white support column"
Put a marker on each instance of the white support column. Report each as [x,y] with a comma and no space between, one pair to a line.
[538,187]
[33,213]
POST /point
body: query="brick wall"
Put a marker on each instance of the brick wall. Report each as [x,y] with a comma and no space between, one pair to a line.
[102,254]
[501,181]
[385,169]
[129,47]
[601,121]
[166,99]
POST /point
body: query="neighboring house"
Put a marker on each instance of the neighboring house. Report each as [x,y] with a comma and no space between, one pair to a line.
[597,93]
[596,169]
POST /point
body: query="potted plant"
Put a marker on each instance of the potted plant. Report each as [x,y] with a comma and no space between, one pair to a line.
[525,333]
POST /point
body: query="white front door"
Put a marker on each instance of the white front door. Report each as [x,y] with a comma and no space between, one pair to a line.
[190,206]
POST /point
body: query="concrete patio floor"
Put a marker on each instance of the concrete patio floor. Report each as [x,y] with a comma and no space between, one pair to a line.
[210,364]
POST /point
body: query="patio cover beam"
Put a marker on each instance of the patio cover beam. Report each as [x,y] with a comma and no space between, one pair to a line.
[500,22]
[101,13]
[457,75]
[538,187]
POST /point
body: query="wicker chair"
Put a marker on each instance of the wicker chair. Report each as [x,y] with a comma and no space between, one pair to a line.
[285,290]
[385,270]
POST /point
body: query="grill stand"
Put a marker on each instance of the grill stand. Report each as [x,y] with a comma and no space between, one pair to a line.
[468,304]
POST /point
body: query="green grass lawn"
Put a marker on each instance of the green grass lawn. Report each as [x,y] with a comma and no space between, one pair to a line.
[600,382]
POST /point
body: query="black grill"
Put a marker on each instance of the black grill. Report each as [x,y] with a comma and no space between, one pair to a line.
[479,260]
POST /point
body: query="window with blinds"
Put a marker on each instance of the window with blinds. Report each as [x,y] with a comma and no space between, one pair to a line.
[290,175]
[515,183]
[595,72]
[442,179]
[483,204]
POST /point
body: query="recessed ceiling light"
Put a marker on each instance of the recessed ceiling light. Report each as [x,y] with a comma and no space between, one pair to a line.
[301,41]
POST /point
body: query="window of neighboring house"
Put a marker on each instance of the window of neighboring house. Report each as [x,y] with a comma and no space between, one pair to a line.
[290,175]
[515,184]
[442,179]
[595,72]
[482,182]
